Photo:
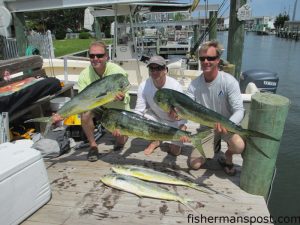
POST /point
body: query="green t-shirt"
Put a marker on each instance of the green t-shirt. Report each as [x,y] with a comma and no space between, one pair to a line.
[88,76]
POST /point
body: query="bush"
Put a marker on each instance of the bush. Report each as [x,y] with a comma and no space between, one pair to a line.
[60,34]
[84,35]
[82,31]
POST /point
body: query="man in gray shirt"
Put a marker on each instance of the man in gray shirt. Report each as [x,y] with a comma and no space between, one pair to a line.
[218,91]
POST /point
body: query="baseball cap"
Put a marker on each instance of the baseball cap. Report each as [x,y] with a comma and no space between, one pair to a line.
[157,60]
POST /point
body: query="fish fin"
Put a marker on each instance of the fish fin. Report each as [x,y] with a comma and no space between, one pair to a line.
[39,120]
[254,133]
[198,188]
[110,93]
[251,142]
[217,192]
[197,140]
[186,203]
[127,88]
[102,100]
[47,128]
[101,95]
[212,191]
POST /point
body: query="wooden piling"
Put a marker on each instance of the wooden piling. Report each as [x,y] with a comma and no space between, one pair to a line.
[235,37]
[97,28]
[268,113]
[213,22]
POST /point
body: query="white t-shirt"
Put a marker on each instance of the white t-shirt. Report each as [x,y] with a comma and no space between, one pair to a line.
[146,93]
[222,95]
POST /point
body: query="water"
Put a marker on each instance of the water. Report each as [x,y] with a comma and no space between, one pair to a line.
[283,57]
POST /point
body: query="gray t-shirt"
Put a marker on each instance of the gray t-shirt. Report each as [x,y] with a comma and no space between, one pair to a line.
[222,95]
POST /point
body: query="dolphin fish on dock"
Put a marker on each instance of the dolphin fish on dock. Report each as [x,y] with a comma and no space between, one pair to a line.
[189,109]
[154,176]
[142,188]
[135,125]
[96,94]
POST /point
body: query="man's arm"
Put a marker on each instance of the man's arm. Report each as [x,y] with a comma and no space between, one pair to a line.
[141,104]
[236,103]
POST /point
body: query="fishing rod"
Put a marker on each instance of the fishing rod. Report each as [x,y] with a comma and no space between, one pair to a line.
[211,24]
[209,27]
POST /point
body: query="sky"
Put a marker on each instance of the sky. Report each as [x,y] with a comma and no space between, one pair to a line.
[265,7]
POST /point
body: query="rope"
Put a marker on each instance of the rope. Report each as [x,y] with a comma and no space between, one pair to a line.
[271,186]
[211,24]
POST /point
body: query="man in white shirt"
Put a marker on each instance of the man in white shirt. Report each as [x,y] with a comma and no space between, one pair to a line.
[146,106]
[218,91]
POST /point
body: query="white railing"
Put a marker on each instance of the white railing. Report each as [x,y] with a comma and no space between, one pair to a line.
[4,128]
[43,42]
[9,48]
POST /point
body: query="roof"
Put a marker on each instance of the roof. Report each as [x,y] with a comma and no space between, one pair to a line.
[40,5]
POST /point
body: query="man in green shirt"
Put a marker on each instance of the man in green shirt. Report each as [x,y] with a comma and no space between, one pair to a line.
[99,68]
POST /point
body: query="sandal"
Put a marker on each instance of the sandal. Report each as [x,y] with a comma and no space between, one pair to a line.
[118,147]
[93,155]
[228,168]
[120,143]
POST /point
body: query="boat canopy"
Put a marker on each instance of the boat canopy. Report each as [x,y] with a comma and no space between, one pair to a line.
[40,5]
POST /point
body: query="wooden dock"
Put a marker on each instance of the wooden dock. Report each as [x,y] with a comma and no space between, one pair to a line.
[79,197]
[291,30]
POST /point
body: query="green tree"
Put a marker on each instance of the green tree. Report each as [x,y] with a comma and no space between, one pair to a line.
[105,23]
[280,19]
[179,16]
[56,19]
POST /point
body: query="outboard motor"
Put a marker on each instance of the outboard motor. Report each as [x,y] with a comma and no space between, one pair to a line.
[265,80]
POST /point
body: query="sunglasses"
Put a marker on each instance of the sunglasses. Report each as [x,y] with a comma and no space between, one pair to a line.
[99,56]
[156,68]
[209,58]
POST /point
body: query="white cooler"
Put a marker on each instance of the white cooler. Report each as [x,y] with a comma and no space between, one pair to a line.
[24,185]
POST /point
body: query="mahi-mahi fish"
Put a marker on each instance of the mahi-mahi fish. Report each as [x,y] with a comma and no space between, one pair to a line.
[154,176]
[142,188]
[135,125]
[189,109]
[96,94]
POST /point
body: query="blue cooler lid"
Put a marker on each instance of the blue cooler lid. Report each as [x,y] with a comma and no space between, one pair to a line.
[15,157]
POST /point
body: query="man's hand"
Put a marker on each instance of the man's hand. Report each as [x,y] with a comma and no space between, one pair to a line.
[220,129]
[173,114]
[119,96]
[184,138]
[116,133]
[56,118]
